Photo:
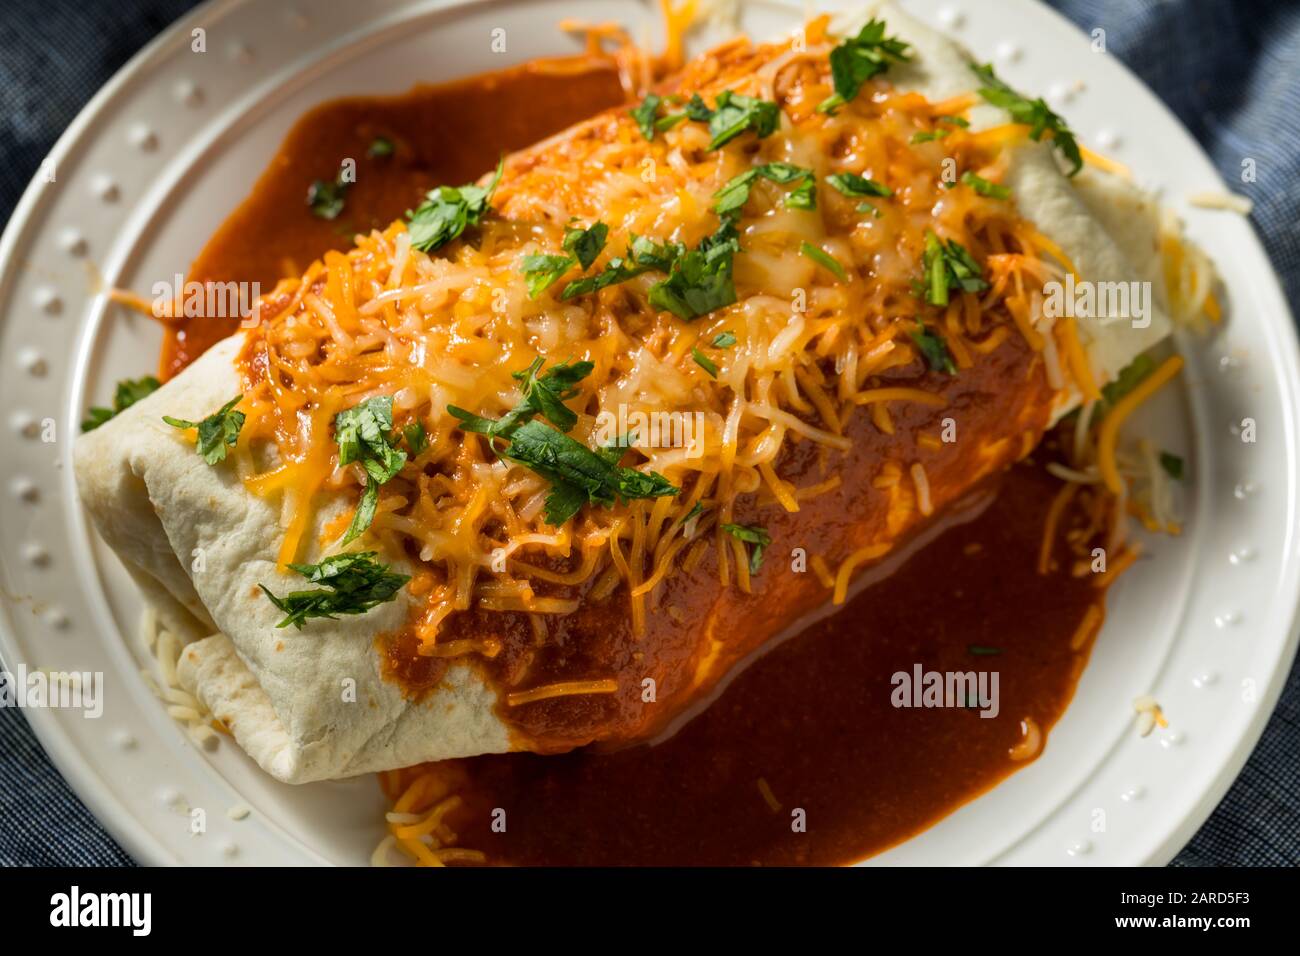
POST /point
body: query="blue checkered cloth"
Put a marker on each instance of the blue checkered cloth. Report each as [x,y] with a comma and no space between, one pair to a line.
[1230,69]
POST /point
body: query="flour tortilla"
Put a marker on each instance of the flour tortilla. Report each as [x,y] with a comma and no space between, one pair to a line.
[1108,226]
[283,693]
[308,705]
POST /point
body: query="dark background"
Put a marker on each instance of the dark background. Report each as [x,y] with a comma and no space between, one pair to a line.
[1229,70]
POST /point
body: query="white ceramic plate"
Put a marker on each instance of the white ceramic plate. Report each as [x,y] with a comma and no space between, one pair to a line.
[167,149]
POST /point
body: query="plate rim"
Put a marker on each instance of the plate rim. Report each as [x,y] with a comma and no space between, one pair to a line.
[144,846]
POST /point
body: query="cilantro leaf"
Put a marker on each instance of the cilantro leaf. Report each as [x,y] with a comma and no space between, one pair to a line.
[733,115]
[644,114]
[697,110]
[563,502]
[934,350]
[380,146]
[586,244]
[543,395]
[127,393]
[751,535]
[857,59]
[96,416]
[353,584]
[643,255]
[469,422]
[664,123]
[541,271]
[578,474]
[732,197]
[641,484]
[416,438]
[984,187]
[1035,114]
[217,432]
[326,199]
[447,211]
[929,136]
[948,265]
[365,435]
[823,259]
[1129,378]
[704,362]
[851,184]
[548,393]
[700,280]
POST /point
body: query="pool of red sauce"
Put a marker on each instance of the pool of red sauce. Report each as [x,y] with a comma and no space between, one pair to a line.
[806,731]
[812,718]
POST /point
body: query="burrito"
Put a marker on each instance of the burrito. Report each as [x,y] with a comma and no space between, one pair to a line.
[541,464]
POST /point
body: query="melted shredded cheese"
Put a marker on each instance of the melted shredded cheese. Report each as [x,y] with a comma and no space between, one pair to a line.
[450,328]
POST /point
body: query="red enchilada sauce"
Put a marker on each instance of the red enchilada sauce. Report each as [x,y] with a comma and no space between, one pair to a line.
[808,729]
[449,133]
[802,758]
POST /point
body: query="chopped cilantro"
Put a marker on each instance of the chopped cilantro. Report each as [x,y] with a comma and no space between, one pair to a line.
[544,395]
[704,362]
[326,199]
[127,393]
[586,244]
[1035,114]
[447,211]
[752,535]
[935,350]
[948,265]
[217,432]
[365,435]
[352,584]
[699,281]
[1129,378]
[851,184]
[645,113]
[823,259]
[984,187]
[577,474]
[732,197]
[541,271]
[857,59]
[733,115]
[417,440]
